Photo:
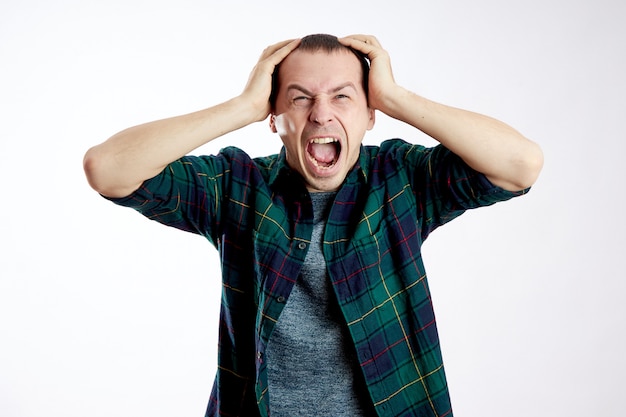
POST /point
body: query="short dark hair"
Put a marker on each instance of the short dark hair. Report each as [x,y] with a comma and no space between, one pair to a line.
[326,43]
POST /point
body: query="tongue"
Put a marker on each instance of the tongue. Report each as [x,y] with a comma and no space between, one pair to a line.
[323,152]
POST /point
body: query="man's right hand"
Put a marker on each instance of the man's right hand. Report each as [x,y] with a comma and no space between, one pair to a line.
[259,87]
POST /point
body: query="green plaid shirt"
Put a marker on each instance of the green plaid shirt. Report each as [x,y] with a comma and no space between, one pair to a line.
[258,214]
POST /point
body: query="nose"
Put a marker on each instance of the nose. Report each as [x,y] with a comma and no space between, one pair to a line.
[321,112]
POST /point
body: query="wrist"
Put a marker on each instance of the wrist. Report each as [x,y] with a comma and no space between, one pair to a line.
[250,110]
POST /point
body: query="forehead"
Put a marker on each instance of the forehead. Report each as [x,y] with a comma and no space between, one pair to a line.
[320,68]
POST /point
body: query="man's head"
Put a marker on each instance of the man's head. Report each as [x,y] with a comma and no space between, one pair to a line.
[320,110]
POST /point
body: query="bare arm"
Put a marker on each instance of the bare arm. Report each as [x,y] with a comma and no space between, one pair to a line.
[489,146]
[118,166]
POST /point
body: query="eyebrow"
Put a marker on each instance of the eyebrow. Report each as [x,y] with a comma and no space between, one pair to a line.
[309,93]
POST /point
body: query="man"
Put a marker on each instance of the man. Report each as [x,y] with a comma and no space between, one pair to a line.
[325,304]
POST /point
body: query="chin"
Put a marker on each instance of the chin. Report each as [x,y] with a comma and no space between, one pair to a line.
[320,185]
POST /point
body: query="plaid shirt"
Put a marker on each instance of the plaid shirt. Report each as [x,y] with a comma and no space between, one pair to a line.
[258,213]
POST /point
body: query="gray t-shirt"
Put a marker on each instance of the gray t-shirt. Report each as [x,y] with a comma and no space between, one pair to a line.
[311,363]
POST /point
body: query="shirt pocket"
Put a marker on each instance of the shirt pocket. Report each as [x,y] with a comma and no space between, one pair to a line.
[385,266]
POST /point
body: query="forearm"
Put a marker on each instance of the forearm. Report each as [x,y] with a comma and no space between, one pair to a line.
[121,164]
[489,146]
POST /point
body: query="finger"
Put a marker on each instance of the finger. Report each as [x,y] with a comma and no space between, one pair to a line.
[362,39]
[365,44]
[283,48]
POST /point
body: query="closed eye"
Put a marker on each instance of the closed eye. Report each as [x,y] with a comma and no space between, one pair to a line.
[301,101]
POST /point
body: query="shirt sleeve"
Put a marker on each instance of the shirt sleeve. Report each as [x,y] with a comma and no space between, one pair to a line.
[445,186]
[187,195]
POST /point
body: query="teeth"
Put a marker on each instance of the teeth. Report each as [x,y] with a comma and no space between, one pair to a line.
[324,140]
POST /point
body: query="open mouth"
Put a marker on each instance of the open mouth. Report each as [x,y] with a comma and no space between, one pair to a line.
[324,152]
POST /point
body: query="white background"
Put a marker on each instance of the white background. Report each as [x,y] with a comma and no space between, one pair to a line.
[104,313]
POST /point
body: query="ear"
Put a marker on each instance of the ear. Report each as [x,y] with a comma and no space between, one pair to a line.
[372,115]
[273,123]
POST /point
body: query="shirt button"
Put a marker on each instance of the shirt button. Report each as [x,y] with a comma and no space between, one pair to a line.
[280,299]
[301,245]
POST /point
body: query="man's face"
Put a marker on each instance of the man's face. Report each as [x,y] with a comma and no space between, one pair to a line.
[321,115]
